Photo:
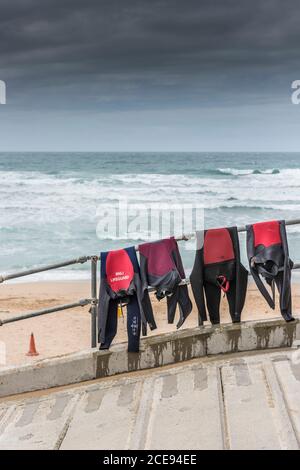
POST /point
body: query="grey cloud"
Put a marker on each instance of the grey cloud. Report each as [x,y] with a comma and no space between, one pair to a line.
[144,54]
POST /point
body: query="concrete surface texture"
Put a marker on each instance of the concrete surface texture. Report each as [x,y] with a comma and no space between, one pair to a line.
[242,401]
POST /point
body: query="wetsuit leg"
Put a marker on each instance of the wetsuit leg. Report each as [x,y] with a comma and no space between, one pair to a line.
[236,300]
[185,304]
[213,299]
[242,290]
[172,301]
[181,298]
[286,312]
[111,324]
[133,325]
[197,285]
[231,298]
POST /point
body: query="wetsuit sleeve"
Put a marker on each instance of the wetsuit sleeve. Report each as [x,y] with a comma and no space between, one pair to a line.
[109,331]
[104,299]
[197,279]
[145,306]
[177,258]
[103,308]
[180,295]
[285,289]
[241,277]
[143,296]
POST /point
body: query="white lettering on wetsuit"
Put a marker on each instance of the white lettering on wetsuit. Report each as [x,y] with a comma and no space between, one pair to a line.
[119,276]
[134,326]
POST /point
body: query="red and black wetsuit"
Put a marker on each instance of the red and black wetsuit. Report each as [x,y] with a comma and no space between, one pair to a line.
[121,284]
[217,268]
[162,268]
[268,255]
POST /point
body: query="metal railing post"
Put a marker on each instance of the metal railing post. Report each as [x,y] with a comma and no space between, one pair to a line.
[93,309]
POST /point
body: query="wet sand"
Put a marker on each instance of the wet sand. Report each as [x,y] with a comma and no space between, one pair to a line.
[69,331]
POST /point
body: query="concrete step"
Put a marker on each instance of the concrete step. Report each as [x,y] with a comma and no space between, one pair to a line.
[288,376]
[250,408]
[37,423]
[243,401]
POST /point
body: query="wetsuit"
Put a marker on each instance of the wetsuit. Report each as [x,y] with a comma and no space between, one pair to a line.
[121,285]
[217,268]
[162,268]
[268,255]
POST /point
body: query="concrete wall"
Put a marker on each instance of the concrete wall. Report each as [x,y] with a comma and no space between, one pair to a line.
[169,348]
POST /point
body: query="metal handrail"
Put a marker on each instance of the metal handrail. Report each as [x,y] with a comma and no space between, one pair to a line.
[37,313]
[28,272]
[81,303]
[84,259]
[241,228]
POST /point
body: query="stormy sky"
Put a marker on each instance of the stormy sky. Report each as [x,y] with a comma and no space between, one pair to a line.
[194,75]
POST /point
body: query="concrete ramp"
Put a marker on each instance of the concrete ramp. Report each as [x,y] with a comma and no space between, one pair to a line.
[245,401]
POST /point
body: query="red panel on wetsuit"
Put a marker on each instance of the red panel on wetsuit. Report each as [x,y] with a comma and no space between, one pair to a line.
[119,270]
[159,255]
[266,233]
[218,246]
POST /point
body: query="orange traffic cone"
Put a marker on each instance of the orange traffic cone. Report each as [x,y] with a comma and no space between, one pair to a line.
[32,349]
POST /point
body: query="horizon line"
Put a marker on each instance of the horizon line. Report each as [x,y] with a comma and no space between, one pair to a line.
[150,151]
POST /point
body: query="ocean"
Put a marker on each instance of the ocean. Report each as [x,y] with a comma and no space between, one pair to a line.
[49,202]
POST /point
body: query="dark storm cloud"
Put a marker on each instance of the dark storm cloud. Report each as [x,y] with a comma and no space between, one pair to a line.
[146,53]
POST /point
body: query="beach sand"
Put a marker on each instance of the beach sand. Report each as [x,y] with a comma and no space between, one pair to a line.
[69,331]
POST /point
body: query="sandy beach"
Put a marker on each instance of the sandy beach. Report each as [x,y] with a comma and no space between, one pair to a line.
[69,331]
